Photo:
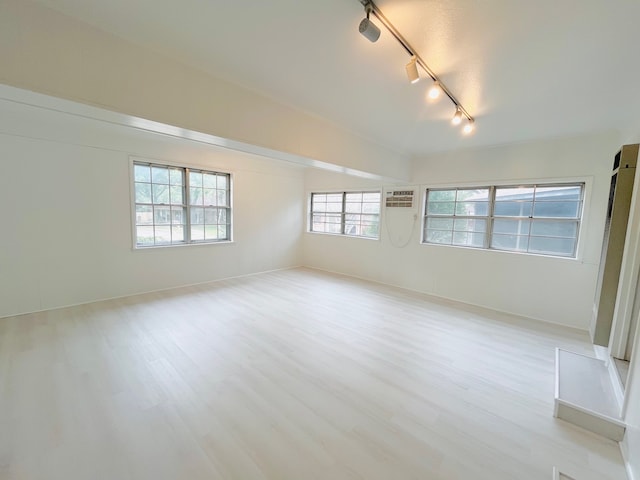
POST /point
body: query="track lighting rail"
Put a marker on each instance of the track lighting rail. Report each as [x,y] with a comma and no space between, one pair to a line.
[372,8]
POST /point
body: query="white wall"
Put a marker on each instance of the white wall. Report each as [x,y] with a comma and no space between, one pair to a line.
[47,52]
[65,229]
[550,289]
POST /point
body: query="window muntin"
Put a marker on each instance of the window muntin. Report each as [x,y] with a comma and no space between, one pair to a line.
[542,219]
[354,214]
[176,205]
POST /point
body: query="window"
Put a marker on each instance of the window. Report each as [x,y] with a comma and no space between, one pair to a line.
[543,219]
[355,214]
[177,206]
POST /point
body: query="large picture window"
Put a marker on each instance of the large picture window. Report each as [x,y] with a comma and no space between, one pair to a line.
[354,214]
[542,219]
[177,205]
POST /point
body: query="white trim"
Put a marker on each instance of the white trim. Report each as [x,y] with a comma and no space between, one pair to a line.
[69,107]
[135,158]
[587,188]
[310,193]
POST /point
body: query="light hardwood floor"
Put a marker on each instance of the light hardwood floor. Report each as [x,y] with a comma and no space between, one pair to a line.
[294,374]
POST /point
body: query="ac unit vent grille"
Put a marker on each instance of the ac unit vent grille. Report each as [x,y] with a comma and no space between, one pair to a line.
[399,198]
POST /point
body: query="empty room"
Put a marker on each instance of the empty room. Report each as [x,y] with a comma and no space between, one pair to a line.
[338,240]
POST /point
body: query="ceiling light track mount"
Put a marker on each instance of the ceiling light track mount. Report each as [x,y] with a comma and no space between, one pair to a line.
[372,32]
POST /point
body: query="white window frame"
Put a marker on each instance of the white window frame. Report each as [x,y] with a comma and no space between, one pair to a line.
[185,168]
[343,213]
[490,217]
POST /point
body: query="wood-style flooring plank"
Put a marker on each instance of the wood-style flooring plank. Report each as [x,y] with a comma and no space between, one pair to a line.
[296,374]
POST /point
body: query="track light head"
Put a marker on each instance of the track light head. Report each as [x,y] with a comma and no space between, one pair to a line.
[457,117]
[469,127]
[412,70]
[369,29]
[434,91]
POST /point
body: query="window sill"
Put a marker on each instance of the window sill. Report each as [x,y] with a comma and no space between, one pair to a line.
[342,235]
[203,244]
[508,252]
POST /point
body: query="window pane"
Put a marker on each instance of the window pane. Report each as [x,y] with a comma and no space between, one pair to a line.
[468,239]
[176,195]
[571,192]
[160,193]
[371,197]
[222,183]
[351,228]
[439,236]
[144,235]
[472,208]
[195,179]
[223,232]
[512,209]
[211,232]
[318,198]
[556,209]
[176,177]
[354,197]
[475,195]
[197,232]
[517,194]
[210,216]
[553,246]
[334,197]
[441,208]
[370,229]
[144,215]
[514,227]
[160,175]
[196,196]
[209,196]
[209,180]
[470,225]
[353,207]
[518,243]
[369,219]
[371,207]
[319,206]
[222,215]
[142,173]
[554,229]
[222,197]
[161,216]
[333,228]
[177,233]
[441,195]
[334,207]
[440,223]
[143,193]
[177,216]
[197,216]
[162,235]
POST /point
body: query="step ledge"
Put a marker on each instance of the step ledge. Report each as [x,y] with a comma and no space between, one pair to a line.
[581,415]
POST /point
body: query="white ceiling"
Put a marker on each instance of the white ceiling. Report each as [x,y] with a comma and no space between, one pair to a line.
[526,70]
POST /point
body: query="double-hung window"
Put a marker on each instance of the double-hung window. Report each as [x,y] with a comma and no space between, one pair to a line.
[354,214]
[543,219]
[177,205]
